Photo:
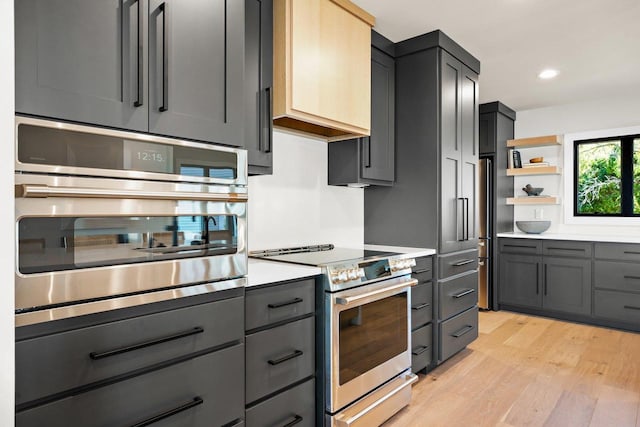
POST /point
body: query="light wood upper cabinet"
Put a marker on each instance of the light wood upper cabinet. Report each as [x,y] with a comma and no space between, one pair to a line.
[322,67]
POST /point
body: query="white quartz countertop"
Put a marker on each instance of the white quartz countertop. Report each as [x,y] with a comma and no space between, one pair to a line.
[415,252]
[262,272]
[577,237]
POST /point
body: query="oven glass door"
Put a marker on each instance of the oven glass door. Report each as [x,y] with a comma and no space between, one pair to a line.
[372,334]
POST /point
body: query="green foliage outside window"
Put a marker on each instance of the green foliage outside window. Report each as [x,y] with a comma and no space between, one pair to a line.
[599,178]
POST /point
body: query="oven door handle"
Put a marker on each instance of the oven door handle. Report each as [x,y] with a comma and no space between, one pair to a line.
[365,295]
[41,191]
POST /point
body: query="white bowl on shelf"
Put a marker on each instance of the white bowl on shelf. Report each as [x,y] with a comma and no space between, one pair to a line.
[533,227]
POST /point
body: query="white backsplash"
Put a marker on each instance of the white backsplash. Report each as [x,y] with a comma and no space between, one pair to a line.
[295,206]
[613,113]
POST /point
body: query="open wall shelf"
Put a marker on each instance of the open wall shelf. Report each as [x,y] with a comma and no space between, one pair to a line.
[533,200]
[538,141]
[538,170]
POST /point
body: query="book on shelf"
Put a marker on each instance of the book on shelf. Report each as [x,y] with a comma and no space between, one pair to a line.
[517,160]
[535,165]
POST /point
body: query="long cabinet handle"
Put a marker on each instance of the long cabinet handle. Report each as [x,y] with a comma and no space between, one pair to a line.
[631,307]
[296,419]
[139,102]
[285,303]
[191,404]
[266,126]
[462,331]
[632,252]
[366,146]
[631,277]
[463,293]
[466,200]
[165,58]
[381,291]
[458,237]
[101,355]
[545,279]
[462,262]
[421,306]
[519,246]
[424,270]
[537,279]
[419,350]
[296,353]
[566,249]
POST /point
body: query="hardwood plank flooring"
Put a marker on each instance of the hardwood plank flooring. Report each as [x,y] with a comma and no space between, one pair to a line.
[531,371]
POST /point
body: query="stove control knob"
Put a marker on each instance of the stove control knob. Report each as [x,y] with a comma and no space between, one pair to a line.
[342,276]
[353,274]
[361,274]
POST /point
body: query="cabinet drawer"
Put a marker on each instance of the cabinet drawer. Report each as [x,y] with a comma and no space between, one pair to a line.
[460,262]
[457,332]
[458,294]
[620,276]
[421,348]
[618,251]
[521,246]
[279,357]
[294,405]
[621,306]
[566,248]
[59,362]
[273,304]
[421,304]
[215,378]
[423,269]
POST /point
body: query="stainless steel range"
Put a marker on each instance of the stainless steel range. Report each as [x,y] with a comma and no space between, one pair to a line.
[364,338]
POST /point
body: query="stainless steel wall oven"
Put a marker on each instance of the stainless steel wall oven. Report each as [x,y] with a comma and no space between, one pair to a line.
[103,214]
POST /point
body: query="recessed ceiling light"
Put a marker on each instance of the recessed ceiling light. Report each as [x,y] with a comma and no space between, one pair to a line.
[549,73]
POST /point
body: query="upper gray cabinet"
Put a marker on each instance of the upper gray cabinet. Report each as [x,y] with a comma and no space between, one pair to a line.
[172,68]
[371,159]
[258,133]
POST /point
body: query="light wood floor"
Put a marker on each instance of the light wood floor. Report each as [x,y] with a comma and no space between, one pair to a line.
[530,371]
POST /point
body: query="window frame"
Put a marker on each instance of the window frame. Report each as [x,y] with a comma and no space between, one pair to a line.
[626,176]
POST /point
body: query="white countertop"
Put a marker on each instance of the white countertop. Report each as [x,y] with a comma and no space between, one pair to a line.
[415,252]
[577,237]
[262,272]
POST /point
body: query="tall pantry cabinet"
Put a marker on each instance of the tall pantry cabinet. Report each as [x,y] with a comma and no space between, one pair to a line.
[433,202]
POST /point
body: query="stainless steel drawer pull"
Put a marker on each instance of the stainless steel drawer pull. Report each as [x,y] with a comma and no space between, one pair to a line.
[193,403]
[285,358]
[631,307]
[632,277]
[419,350]
[296,419]
[421,306]
[463,293]
[285,303]
[462,331]
[424,270]
[463,262]
[95,356]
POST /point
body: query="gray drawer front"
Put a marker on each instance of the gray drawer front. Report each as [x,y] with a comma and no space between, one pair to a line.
[216,378]
[421,304]
[520,246]
[566,248]
[421,348]
[460,262]
[59,362]
[456,333]
[457,295]
[266,373]
[621,276]
[294,405]
[423,269]
[618,251]
[624,307]
[277,303]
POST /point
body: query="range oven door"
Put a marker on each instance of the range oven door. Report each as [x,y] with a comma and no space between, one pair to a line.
[368,339]
[83,239]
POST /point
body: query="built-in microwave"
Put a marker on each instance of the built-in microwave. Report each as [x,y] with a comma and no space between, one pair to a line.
[101,214]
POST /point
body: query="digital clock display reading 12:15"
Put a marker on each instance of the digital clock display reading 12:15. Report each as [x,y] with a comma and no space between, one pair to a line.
[148,156]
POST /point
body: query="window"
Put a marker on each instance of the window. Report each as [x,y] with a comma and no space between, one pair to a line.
[607,177]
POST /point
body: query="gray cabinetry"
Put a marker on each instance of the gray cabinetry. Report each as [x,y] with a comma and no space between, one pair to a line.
[549,279]
[280,354]
[167,67]
[258,66]
[422,315]
[177,361]
[371,159]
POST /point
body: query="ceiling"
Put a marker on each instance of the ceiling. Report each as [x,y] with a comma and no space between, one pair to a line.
[594,44]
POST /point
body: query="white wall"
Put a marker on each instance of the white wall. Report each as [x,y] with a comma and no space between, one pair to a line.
[6,214]
[584,118]
[295,206]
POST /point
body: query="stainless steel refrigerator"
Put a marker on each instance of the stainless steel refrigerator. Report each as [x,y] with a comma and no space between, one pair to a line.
[486,236]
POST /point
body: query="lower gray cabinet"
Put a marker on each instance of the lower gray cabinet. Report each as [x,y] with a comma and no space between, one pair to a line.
[567,285]
[422,315]
[458,332]
[200,392]
[520,280]
[421,348]
[280,354]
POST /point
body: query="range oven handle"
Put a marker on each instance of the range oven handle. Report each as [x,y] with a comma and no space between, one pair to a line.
[40,191]
[365,295]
